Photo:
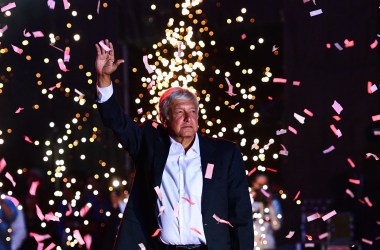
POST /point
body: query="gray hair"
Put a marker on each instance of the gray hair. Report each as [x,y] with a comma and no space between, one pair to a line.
[172,94]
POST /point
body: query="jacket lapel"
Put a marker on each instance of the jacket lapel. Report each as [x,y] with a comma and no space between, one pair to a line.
[161,149]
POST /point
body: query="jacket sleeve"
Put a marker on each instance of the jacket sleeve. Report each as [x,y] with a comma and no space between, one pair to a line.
[125,129]
[240,211]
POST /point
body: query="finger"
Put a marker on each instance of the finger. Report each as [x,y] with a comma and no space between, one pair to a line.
[112,50]
[98,50]
[117,63]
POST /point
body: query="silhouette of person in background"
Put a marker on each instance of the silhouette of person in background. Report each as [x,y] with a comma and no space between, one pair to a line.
[8,213]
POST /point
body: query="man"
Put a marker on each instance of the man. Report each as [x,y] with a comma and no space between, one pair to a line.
[190,191]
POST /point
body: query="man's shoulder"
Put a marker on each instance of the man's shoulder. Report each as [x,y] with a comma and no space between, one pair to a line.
[221,142]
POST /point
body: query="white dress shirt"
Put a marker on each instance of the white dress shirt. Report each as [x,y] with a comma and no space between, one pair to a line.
[182,181]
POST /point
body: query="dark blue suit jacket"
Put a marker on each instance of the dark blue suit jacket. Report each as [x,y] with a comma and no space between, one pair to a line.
[225,194]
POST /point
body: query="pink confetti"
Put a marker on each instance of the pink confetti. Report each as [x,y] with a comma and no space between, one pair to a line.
[39,213]
[51,246]
[68,212]
[151,84]
[290,234]
[158,230]
[37,34]
[296,83]
[243,36]
[51,4]
[329,215]
[78,92]
[313,217]
[293,130]
[233,105]
[328,150]
[369,203]
[66,4]
[3,163]
[51,217]
[328,45]
[88,240]
[324,235]
[337,118]
[348,43]
[39,237]
[299,118]
[2,30]
[17,49]
[374,44]
[369,242]
[308,112]
[19,110]
[40,246]
[252,171]
[26,34]
[104,46]
[219,220]
[66,55]
[176,209]
[335,130]
[279,80]
[270,98]
[371,88]
[209,171]
[337,107]
[98,7]
[274,48]
[179,50]
[27,139]
[10,178]
[272,170]
[188,200]
[298,193]
[281,131]
[354,181]
[284,151]
[158,192]
[265,193]
[84,210]
[367,156]
[62,65]
[33,187]
[8,7]
[146,64]
[230,88]
[350,193]
[140,111]
[196,230]
[155,124]
[352,164]
[376,118]
[56,47]
[78,236]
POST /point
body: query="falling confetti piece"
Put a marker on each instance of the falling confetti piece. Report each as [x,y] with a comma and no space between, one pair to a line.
[19,110]
[179,50]
[68,212]
[296,83]
[158,230]
[313,217]
[33,187]
[328,45]
[98,7]
[337,107]
[104,46]
[376,118]
[271,170]
[37,34]
[84,210]
[66,4]
[336,118]
[284,151]
[328,150]
[219,220]
[233,106]
[51,246]
[140,111]
[243,36]
[252,171]
[10,178]
[146,64]
[308,112]
[265,193]
[338,46]
[324,235]
[374,44]
[350,193]
[188,200]
[336,131]
[209,171]
[78,92]
[329,215]
[51,4]
[26,34]
[39,237]
[274,48]
[371,88]
[348,43]
[8,7]
[3,163]
[196,230]
[352,164]
[369,242]
[367,156]
[290,234]
[78,236]
[299,118]
[151,84]
[56,47]
[17,49]
[27,139]
[279,80]
[51,217]
[66,55]
[40,246]
[88,240]
[293,130]
[316,12]
[39,213]
[369,203]
[281,132]
[295,197]
[155,124]
[2,30]
[230,88]
[158,191]
[62,65]
[354,181]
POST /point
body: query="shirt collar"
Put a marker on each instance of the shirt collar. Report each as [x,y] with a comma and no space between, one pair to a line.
[194,148]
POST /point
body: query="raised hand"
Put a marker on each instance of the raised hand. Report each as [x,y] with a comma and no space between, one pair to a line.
[105,63]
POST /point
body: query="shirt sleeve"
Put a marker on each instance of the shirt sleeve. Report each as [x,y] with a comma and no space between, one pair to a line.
[104,93]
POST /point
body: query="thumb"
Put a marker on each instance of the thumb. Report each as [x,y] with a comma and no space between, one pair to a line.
[117,63]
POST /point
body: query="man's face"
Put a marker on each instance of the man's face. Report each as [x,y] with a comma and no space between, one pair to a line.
[183,120]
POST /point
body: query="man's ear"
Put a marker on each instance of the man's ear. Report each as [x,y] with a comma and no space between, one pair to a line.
[162,119]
